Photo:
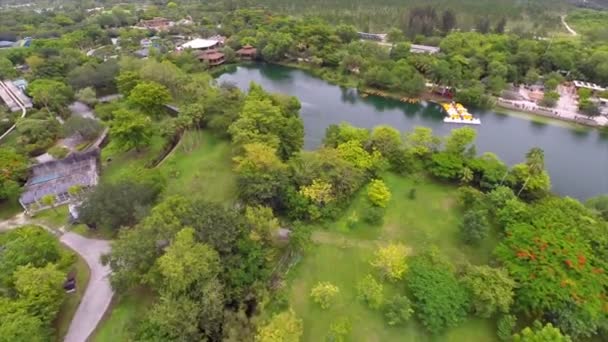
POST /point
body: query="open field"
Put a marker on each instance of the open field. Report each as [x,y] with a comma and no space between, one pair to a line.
[116,163]
[342,256]
[201,166]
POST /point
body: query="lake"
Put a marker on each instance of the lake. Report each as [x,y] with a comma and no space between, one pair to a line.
[577,158]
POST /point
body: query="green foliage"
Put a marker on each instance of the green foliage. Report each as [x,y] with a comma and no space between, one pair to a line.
[378,193]
[86,127]
[440,300]
[130,129]
[491,290]
[505,326]
[599,204]
[37,133]
[339,330]
[541,333]
[558,233]
[268,119]
[120,204]
[421,143]
[40,290]
[264,226]
[261,175]
[150,98]
[29,245]
[324,294]
[371,292]
[58,152]
[7,70]
[474,227]
[14,170]
[390,260]
[470,198]
[126,81]
[50,94]
[87,95]
[283,327]
[373,215]
[398,310]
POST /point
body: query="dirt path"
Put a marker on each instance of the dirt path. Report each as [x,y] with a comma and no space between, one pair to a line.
[336,239]
[568,28]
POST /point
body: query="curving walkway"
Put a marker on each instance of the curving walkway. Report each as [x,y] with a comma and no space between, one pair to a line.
[98,294]
[568,28]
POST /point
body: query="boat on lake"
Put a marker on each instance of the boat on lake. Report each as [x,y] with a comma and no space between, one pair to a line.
[457,113]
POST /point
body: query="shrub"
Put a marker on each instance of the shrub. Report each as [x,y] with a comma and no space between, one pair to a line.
[352,220]
[373,215]
[469,197]
[339,329]
[58,152]
[324,294]
[391,261]
[378,193]
[441,302]
[474,227]
[505,326]
[398,310]
[412,194]
[371,292]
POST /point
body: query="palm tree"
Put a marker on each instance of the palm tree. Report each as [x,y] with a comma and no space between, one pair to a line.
[535,159]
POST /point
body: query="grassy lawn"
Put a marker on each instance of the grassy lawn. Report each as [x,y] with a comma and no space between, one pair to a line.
[54,218]
[116,163]
[9,208]
[72,300]
[100,233]
[342,256]
[122,315]
[201,165]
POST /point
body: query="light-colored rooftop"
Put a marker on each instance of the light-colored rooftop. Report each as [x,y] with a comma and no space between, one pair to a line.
[592,86]
[199,43]
[416,48]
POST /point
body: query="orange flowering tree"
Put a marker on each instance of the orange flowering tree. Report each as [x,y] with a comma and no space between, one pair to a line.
[558,265]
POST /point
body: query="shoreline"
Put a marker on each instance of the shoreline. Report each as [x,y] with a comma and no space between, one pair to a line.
[500,107]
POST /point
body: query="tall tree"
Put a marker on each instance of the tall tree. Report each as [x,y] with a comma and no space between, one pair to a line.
[150,97]
[130,129]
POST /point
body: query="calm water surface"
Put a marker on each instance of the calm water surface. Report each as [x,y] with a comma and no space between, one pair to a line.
[577,159]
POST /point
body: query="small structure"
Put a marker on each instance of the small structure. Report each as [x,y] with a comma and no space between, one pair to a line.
[6,44]
[213,57]
[57,177]
[586,85]
[201,44]
[415,48]
[156,24]
[380,37]
[247,52]
[12,95]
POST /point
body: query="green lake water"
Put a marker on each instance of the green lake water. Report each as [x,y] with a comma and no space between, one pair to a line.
[577,158]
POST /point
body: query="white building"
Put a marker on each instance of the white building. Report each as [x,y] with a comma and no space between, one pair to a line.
[200,44]
[415,48]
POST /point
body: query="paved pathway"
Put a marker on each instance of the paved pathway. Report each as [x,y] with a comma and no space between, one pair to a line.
[98,295]
[572,32]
